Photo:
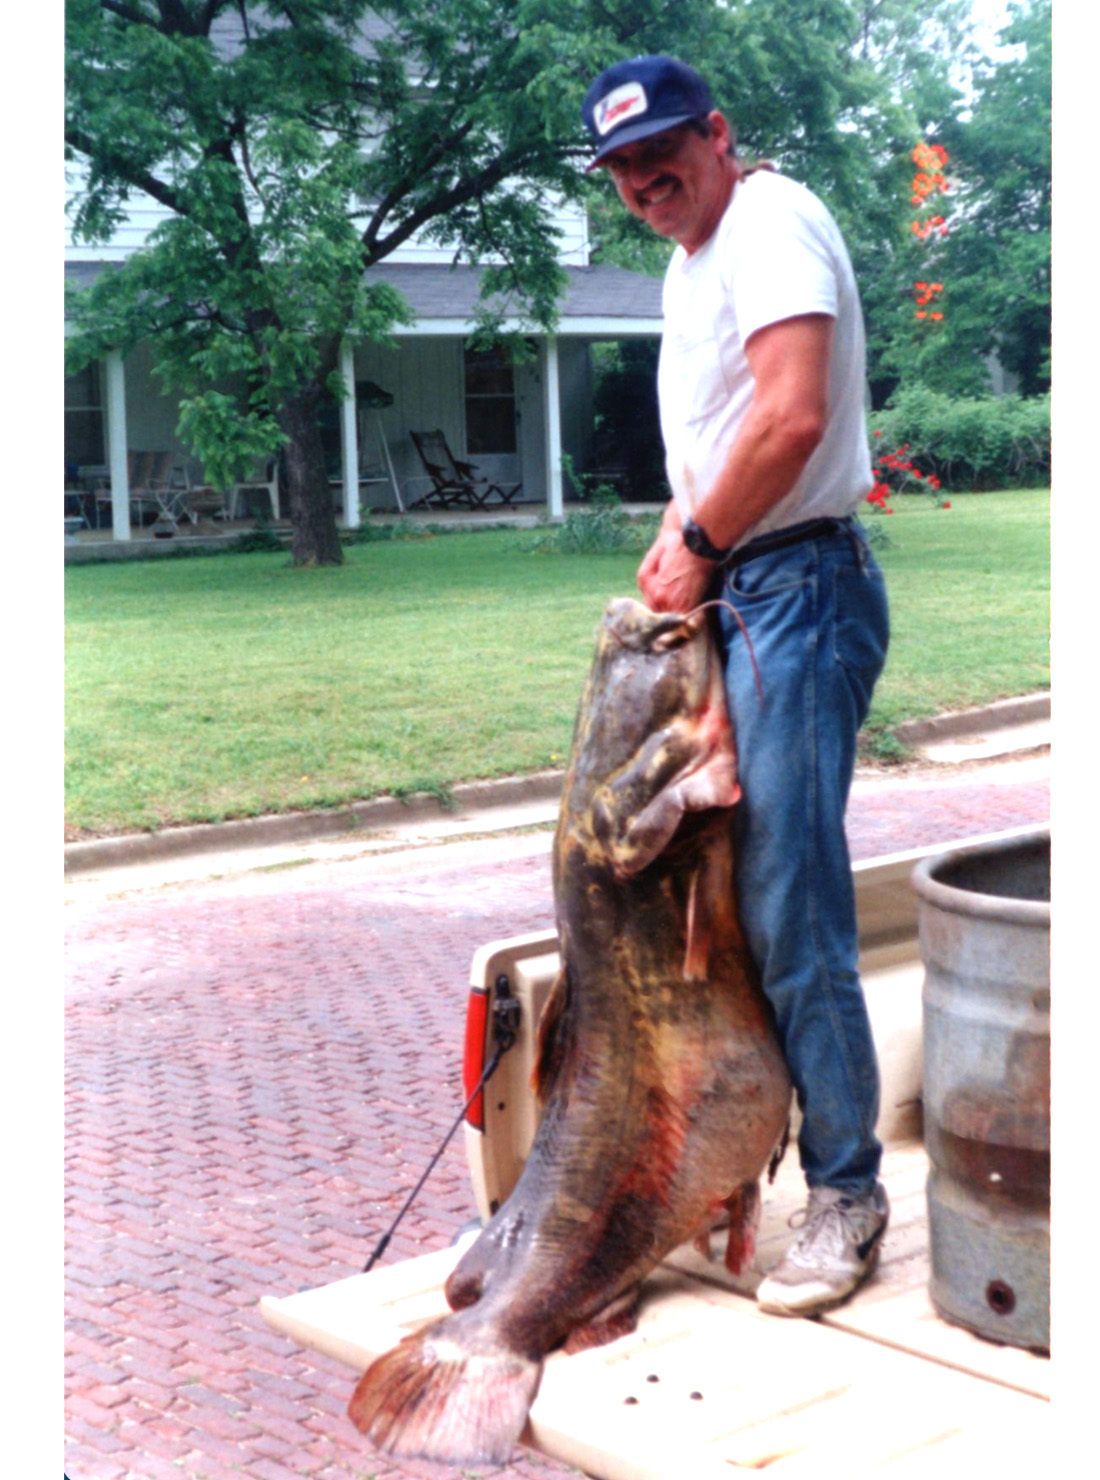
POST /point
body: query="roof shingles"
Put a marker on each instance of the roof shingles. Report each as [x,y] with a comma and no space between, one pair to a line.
[440,293]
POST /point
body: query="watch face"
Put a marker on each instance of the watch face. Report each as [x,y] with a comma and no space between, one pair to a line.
[691,533]
[697,542]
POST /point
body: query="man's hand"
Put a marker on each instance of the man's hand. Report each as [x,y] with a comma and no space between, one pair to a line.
[671,578]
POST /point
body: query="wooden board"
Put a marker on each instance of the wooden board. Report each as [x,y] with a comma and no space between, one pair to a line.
[894,1308]
[708,1385]
[739,1390]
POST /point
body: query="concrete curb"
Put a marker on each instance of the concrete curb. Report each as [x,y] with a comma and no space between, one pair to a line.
[998,716]
[390,812]
[258,832]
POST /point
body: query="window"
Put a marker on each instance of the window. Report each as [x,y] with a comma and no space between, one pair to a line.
[490,402]
[83,419]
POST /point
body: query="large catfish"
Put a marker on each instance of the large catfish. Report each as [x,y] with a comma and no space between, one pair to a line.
[663,1086]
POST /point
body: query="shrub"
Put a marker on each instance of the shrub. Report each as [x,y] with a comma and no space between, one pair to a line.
[260,538]
[603,529]
[971,442]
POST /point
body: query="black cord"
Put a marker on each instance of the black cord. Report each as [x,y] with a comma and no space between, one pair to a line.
[504,1043]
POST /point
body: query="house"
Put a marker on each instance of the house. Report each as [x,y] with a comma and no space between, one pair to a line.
[514,421]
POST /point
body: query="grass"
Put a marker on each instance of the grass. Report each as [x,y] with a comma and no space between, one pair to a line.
[231,686]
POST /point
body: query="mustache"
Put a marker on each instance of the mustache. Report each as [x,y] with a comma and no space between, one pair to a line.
[659,184]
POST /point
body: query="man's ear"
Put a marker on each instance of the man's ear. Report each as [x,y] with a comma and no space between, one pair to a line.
[722,133]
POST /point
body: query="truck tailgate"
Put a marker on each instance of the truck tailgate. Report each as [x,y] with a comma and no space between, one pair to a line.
[708,1385]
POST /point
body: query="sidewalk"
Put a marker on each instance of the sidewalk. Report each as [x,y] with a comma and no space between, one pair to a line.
[1014,727]
[260,1065]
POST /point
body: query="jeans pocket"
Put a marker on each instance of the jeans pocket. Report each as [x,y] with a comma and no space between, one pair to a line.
[767,579]
[778,608]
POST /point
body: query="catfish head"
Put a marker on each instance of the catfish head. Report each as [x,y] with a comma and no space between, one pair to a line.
[653,740]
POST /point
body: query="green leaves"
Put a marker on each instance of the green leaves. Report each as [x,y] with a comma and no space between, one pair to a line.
[228,443]
[999,257]
[296,145]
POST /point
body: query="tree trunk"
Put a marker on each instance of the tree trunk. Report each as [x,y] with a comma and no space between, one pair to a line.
[316,539]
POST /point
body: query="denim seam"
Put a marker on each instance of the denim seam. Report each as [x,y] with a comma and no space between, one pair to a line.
[824,975]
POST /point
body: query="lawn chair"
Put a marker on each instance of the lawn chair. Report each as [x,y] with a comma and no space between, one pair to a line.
[454,482]
[205,502]
[158,480]
[265,480]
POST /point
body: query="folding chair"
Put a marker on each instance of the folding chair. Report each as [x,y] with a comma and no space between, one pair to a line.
[157,480]
[454,481]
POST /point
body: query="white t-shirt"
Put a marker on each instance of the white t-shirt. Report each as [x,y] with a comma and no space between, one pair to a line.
[776,253]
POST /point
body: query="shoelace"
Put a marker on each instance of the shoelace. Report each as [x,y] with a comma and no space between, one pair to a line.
[827,1227]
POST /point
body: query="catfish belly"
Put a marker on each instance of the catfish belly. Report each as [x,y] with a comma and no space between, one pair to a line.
[663,1088]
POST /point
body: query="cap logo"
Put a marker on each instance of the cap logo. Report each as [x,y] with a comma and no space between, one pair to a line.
[620,104]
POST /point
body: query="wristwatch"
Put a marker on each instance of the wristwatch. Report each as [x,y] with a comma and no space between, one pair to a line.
[698,542]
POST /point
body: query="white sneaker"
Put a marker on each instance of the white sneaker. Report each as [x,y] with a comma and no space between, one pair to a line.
[835,1252]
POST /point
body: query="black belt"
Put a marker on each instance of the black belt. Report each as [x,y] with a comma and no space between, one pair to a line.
[794,534]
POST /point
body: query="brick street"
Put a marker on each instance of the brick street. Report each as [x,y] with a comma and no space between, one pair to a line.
[258,1069]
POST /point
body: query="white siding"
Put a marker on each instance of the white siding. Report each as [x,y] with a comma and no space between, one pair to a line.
[145,214]
[424,376]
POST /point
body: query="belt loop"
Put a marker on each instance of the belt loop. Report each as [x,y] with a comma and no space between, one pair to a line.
[850,525]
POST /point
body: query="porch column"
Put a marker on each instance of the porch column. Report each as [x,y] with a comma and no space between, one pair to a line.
[552,420]
[116,446]
[349,437]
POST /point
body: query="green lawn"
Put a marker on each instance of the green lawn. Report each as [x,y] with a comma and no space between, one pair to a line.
[224,687]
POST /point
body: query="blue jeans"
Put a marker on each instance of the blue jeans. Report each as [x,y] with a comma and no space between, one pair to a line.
[817,618]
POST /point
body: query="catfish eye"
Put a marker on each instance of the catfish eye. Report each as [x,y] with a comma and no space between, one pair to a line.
[678,630]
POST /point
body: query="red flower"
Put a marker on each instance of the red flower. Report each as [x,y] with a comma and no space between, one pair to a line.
[946,504]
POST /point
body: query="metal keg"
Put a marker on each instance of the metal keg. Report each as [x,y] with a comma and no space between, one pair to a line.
[985,944]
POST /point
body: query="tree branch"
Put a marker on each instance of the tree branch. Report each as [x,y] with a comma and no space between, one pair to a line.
[241,133]
[129,174]
[401,187]
[128,13]
[439,205]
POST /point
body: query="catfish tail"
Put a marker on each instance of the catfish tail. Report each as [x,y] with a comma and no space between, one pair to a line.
[437,1396]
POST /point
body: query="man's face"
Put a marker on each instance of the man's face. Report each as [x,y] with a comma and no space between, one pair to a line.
[677,182]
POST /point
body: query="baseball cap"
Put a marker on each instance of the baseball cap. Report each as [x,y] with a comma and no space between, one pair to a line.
[640,97]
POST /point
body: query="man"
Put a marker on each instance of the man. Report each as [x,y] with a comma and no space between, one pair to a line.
[761,385]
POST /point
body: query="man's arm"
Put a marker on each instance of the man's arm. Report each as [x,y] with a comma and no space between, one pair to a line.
[784,423]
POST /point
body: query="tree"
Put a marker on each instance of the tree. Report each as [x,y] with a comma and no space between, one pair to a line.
[997,256]
[991,265]
[297,145]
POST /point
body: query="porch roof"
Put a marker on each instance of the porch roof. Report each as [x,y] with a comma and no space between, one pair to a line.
[599,301]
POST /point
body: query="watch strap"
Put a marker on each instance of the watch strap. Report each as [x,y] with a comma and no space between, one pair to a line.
[699,542]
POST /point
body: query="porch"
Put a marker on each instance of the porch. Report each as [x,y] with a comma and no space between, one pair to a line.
[149,541]
[526,423]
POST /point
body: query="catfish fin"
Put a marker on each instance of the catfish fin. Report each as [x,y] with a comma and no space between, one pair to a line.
[744,1205]
[435,1397]
[709,915]
[616,1319]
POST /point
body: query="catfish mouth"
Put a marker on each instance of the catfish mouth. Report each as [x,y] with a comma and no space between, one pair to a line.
[634,626]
